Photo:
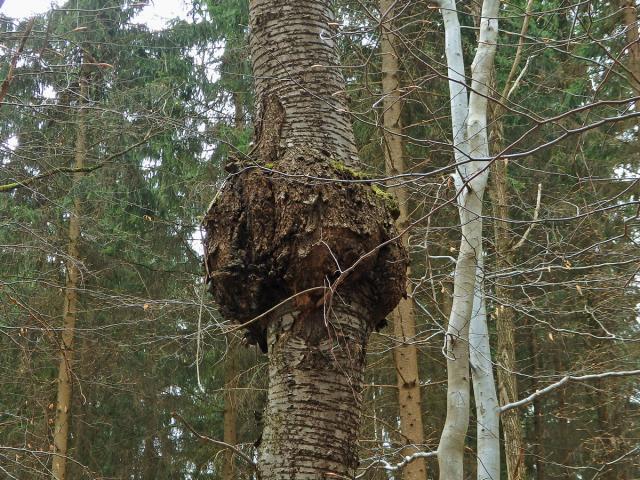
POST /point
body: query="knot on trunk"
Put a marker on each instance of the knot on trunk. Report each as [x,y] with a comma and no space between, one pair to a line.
[296,224]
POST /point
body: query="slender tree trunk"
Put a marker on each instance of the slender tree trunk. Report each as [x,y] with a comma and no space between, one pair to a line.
[230,431]
[505,327]
[630,19]
[484,386]
[507,380]
[470,139]
[70,312]
[538,425]
[404,327]
[306,258]
[564,450]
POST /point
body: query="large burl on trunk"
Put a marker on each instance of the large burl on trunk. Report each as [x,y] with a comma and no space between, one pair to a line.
[295,226]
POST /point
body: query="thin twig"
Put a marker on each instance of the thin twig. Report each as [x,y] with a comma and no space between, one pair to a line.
[14,61]
[536,212]
[219,443]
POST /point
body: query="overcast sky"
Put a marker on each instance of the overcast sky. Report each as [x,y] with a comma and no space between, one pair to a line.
[155,15]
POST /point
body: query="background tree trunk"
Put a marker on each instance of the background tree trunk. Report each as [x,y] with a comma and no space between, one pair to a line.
[504,313]
[70,312]
[630,20]
[538,425]
[230,431]
[404,325]
[231,368]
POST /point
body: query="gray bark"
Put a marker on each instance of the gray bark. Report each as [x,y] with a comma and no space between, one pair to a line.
[294,59]
[314,399]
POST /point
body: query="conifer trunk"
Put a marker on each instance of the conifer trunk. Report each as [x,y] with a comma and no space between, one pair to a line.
[298,251]
[505,326]
[538,423]
[404,328]
[630,20]
[70,309]
[230,431]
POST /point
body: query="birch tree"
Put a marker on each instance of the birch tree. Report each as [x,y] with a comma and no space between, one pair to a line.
[471,149]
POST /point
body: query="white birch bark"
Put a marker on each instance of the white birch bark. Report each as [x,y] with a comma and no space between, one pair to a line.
[469,124]
[484,386]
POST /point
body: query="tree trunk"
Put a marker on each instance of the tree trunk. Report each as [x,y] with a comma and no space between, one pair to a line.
[507,380]
[404,328]
[484,386]
[230,432]
[313,405]
[70,312]
[506,358]
[299,252]
[470,139]
[538,425]
[630,19]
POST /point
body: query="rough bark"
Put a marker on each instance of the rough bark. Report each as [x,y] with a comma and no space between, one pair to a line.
[404,328]
[505,315]
[70,308]
[314,398]
[301,252]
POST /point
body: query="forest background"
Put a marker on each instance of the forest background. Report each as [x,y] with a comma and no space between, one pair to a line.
[114,139]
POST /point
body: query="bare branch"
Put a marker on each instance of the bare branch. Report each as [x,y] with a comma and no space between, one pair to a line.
[7,81]
[561,382]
